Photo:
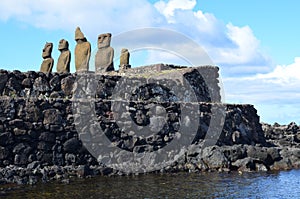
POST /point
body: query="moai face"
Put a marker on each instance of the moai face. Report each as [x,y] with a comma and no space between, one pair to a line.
[47,50]
[63,45]
[104,40]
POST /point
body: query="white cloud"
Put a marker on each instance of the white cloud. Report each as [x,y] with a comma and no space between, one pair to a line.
[161,56]
[280,86]
[168,8]
[275,94]
[234,48]
[162,41]
[245,49]
[206,22]
[283,74]
[244,56]
[93,16]
[16,8]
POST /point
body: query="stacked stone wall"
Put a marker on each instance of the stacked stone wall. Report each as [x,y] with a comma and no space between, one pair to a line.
[41,119]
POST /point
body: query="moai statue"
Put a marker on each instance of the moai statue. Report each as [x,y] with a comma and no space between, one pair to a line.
[48,61]
[82,52]
[105,54]
[124,60]
[63,63]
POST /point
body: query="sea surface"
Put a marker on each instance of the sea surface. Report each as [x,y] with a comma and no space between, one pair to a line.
[284,184]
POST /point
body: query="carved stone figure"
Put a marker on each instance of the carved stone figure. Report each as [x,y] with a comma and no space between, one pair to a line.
[47,64]
[63,63]
[124,60]
[105,54]
[82,52]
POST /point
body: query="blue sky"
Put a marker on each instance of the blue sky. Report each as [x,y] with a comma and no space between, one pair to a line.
[255,43]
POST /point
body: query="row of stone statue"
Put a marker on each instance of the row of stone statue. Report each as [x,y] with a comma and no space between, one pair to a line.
[103,59]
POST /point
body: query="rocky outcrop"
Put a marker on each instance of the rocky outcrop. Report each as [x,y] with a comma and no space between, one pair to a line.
[281,152]
[283,135]
[285,138]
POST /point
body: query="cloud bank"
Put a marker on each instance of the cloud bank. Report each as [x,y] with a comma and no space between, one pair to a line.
[275,94]
[249,74]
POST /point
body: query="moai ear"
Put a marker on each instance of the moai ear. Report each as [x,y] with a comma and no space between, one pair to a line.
[50,46]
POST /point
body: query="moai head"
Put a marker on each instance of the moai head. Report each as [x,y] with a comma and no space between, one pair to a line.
[79,36]
[63,45]
[104,40]
[47,50]
[124,50]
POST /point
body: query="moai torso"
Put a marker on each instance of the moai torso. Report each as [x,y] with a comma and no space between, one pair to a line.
[63,63]
[47,64]
[82,52]
[124,60]
[105,54]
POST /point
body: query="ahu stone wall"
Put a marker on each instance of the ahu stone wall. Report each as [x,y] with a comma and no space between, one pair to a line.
[47,119]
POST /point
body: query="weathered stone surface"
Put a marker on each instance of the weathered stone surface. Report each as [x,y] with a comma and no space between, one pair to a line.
[245,165]
[19,123]
[214,158]
[55,83]
[63,63]
[6,138]
[283,164]
[13,86]
[27,82]
[45,157]
[82,52]
[83,170]
[4,153]
[72,145]
[48,62]
[41,84]
[20,159]
[18,131]
[105,54]
[33,112]
[282,135]
[22,148]
[3,80]
[266,155]
[124,60]
[47,137]
[67,84]
[52,116]
[44,146]
[235,152]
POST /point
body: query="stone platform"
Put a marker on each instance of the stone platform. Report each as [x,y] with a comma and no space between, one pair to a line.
[51,121]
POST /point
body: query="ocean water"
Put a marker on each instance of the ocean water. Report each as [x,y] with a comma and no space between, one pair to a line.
[284,184]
